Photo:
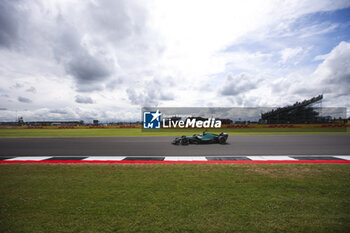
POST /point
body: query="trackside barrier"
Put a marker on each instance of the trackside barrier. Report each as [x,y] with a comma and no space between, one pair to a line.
[223,126]
[73,127]
[289,126]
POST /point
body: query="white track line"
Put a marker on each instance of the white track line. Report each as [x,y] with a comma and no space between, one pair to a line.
[104,158]
[172,158]
[27,158]
[185,158]
[346,157]
[270,157]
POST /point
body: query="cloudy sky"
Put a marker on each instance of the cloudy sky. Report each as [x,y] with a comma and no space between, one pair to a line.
[71,59]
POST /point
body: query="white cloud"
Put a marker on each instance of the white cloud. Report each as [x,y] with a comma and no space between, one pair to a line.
[320,57]
[331,78]
[31,89]
[239,84]
[124,54]
[24,100]
[289,53]
[150,93]
[83,99]
[333,74]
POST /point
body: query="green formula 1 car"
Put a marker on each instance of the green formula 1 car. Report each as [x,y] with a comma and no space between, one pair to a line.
[201,139]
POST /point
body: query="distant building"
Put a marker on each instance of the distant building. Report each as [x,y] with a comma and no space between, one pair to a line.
[21,122]
[54,123]
[225,121]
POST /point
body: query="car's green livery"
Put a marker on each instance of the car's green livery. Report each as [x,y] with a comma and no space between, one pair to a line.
[201,138]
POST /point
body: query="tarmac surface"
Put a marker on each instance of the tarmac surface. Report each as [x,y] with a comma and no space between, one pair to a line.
[302,145]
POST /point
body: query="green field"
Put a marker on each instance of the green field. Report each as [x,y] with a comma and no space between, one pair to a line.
[175,198]
[132,132]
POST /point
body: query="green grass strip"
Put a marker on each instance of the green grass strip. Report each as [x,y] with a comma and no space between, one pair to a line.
[130,132]
[175,198]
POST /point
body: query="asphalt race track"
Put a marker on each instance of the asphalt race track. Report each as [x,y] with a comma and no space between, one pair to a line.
[161,146]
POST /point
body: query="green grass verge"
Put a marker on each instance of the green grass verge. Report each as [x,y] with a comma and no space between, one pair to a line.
[124,132]
[175,198]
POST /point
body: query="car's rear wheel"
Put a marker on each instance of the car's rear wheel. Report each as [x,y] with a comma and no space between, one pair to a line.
[222,139]
[184,141]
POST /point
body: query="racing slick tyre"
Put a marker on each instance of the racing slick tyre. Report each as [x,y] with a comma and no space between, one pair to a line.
[222,140]
[184,141]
